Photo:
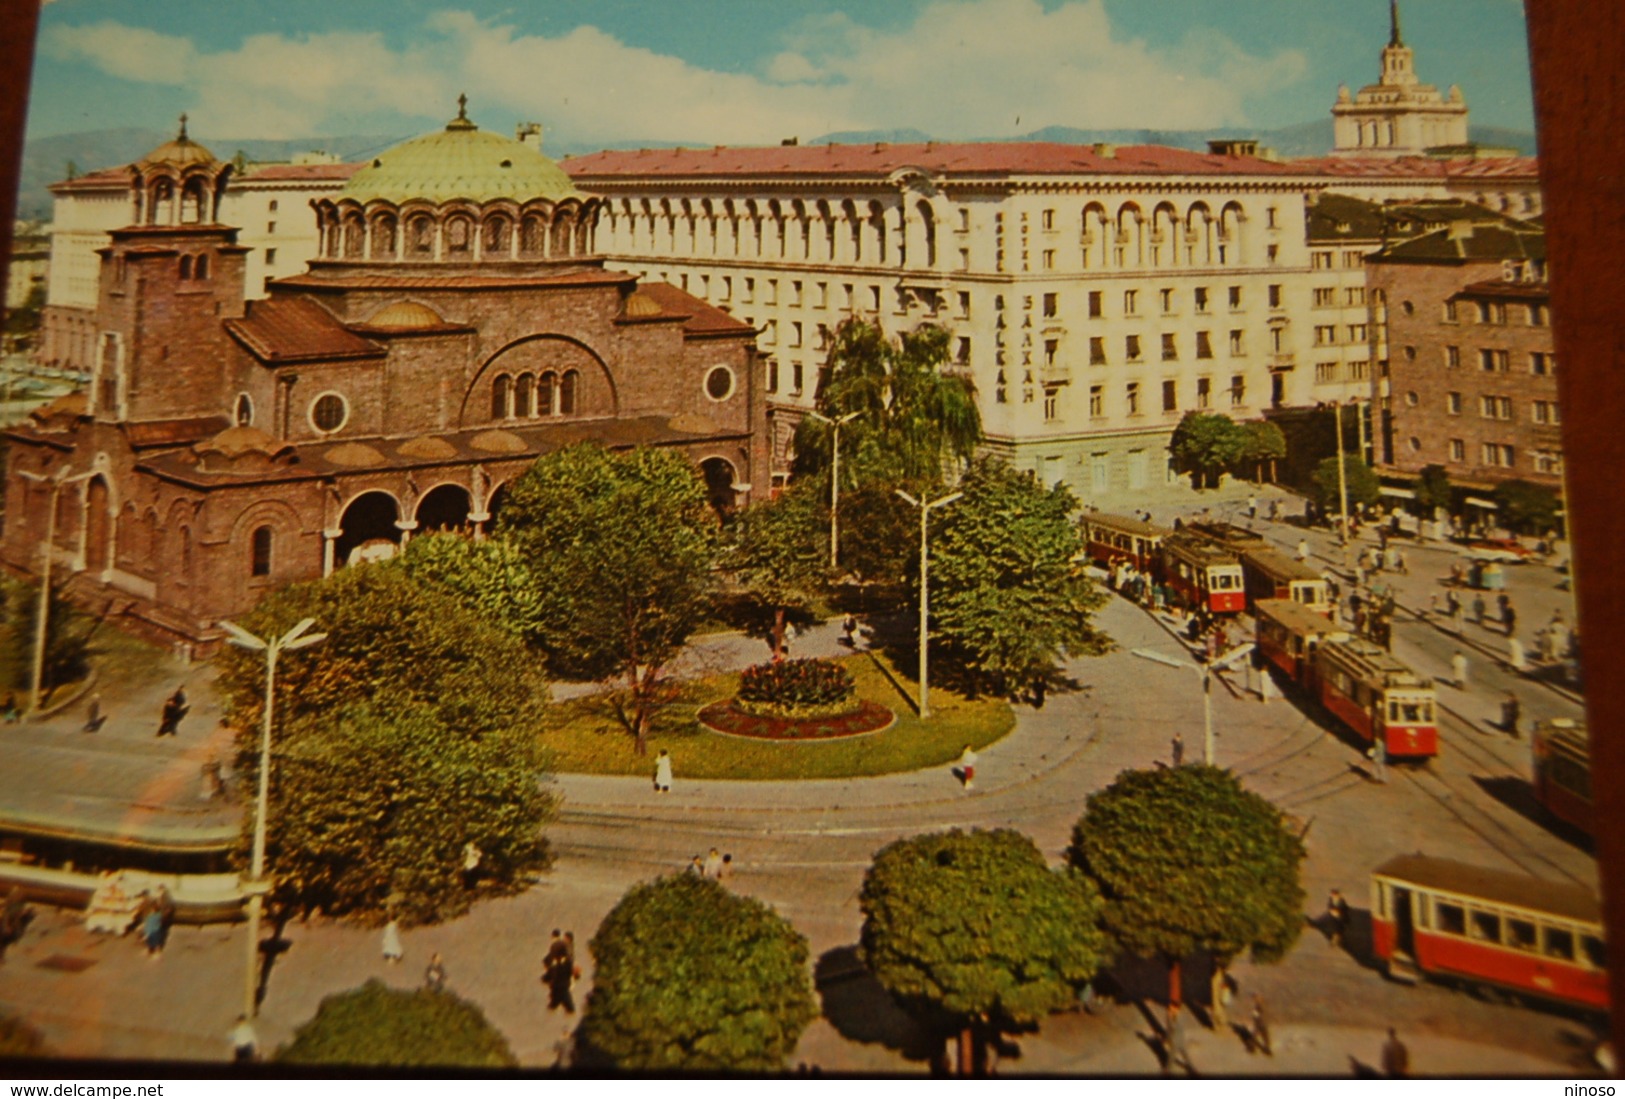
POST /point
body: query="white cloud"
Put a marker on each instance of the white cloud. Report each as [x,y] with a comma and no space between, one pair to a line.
[963,68]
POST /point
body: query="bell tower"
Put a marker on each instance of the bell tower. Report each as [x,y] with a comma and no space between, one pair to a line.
[167,280]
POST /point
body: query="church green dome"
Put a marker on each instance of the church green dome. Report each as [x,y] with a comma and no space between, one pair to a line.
[460,162]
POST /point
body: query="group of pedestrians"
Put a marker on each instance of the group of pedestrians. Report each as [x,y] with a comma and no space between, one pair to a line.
[716,866]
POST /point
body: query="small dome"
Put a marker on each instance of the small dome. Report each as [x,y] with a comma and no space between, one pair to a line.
[460,162]
[640,304]
[355,455]
[234,442]
[427,446]
[405,314]
[498,441]
[182,152]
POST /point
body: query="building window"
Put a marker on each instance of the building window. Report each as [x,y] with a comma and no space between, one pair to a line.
[719,383]
[1049,259]
[1170,348]
[1325,335]
[1539,316]
[1450,314]
[1325,372]
[1133,395]
[243,414]
[272,206]
[1275,295]
[1498,312]
[1357,335]
[1097,350]
[1355,295]
[1542,363]
[795,333]
[770,292]
[270,257]
[260,552]
[772,375]
[1052,305]
[1272,253]
[1493,360]
[1359,370]
[770,332]
[1353,259]
[1095,303]
[1235,298]
[1412,399]
[1052,403]
[1204,392]
[1452,357]
[961,355]
[1050,348]
[1320,261]
[1097,401]
[329,411]
[747,292]
[1548,463]
[1458,450]
[1170,396]
[1495,408]
[1453,403]
[964,305]
[1498,454]
[1131,302]
[796,377]
[1237,346]
[1325,296]
[1204,345]
[1199,295]
[1271,218]
[1545,412]
[1416,444]
[1167,300]
[1131,348]
[1483,312]
[1238,390]
[795,293]
[567,392]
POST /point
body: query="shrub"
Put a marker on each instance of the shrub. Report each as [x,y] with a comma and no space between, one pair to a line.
[376,1025]
[796,684]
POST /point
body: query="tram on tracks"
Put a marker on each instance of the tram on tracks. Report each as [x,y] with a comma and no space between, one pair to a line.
[1561,775]
[1203,575]
[1110,539]
[1366,688]
[1225,535]
[1271,574]
[1451,922]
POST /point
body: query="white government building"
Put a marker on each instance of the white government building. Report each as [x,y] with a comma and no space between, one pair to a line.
[1095,294]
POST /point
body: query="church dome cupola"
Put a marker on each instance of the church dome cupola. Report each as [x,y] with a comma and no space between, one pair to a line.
[178,183]
[458,195]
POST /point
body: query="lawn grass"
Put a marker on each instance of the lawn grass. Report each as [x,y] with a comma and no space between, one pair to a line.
[584,736]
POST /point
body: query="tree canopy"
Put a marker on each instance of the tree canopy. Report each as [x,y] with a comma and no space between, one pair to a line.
[1205,444]
[1525,507]
[1363,485]
[379,1026]
[690,977]
[1008,600]
[620,545]
[1188,860]
[781,555]
[406,734]
[1433,489]
[489,576]
[1263,444]
[914,419]
[973,930]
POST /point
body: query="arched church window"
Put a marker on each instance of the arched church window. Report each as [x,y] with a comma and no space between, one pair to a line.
[458,237]
[186,268]
[524,391]
[243,414]
[353,236]
[383,237]
[260,552]
[532,234]
[567,392]
[500,391]
[496,236]
[421,235]
[201,269]
[545,386]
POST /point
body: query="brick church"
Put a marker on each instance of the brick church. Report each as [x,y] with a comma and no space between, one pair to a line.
[457,324]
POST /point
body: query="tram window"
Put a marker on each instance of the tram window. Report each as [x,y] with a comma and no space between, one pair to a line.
[1486,926]
[1451,918]
[1382,900]
[1521,934]
[1594,951]
[1411,713]
[1559,944]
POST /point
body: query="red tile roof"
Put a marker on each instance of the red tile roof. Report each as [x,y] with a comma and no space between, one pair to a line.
[1422,167]
[702,319]
[880,159]
[102,180]
[326,278]
[277,172]
[173,432]
[282,330]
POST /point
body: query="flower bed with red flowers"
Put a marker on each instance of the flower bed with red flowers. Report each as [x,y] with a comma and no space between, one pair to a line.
[727,718]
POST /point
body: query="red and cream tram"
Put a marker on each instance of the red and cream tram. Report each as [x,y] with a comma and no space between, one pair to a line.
[1271,574]
[1203,575]
[1224,535]
[1289,633]
[1449,921]
[1376,695]
[1562,770]
[1109,539]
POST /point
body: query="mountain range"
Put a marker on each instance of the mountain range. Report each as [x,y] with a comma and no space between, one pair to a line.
[49,159]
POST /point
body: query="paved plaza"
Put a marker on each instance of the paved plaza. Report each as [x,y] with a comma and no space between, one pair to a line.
[804,847]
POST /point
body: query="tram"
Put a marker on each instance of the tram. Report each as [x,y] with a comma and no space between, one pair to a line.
[1452,922]
[1203,575]
[1271,574]
[1225,535]
[1109,539]
[1561,774]
[1289,634]
[1376,695]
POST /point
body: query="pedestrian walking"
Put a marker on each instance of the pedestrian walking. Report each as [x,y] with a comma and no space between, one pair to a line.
[1179,750]
[967,768]
[392,942]
[175,708]
[151,923]
[663,772]
[849,625]
[713,866]
[434,976]
[1515,655]
[245,1043]
[214,782]
[94,719]
[472,856]
[1511,711]
[1303,549]
[1261,1028]
[725,873]
[1378,755]
[1400,564]
[1458,669]
[696,866]
[1337,917]
[1396,1059]
[1509,617]
[1174,1050]
[556,974]
[1478,609]
[1252,507]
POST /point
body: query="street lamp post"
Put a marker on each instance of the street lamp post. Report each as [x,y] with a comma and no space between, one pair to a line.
[925,591]
[834,482]
[295,638]
[42,612]
[1205,673]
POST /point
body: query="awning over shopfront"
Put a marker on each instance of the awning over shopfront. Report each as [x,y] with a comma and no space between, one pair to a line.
[1480,502]
[1400,493]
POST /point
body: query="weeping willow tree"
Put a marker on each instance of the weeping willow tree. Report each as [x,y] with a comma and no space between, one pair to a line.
[912,422]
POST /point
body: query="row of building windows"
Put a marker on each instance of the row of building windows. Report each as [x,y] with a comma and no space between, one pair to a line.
[1498,360]
[1500,456]
[1324,259]
[1496,407]
[1133,351]
[528,396]
[1336,372]
[1326,297]
[1326,334]
[1534,315]
[1170,396]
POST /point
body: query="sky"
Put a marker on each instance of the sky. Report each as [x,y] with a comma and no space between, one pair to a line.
[748,71]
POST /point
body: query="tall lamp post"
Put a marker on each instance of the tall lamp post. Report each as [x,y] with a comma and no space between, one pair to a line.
[834,482]
[295,638]
[925,591]
[42,612]
[1205,673]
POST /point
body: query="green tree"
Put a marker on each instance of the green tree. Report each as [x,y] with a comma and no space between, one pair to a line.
[1205,444]
[1363,485]
[1432,489]
[372,810]
[67,642]
[387,1027]
[880,533]
[914,419]
[1008,598]
[490,577]
[1188,860]
[1526,508]
[976,935]
[620,546]
[782,553]
[690,977]
[1263,444]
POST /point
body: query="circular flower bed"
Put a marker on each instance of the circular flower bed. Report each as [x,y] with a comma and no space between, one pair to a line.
[727,718]
[796,700]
